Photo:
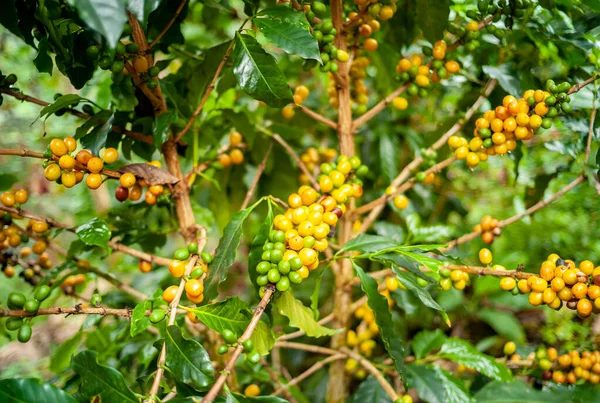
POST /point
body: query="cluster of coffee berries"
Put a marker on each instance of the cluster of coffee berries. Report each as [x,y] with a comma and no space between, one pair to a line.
[235,155]
[313,158]
[489,12]
[567,368]
[561,281]
[5,82]
[14,199]
[362,338]
[419,76]
[458,279]
[231,341]
[61,167]
[298,235]
[324,33]
[12,260]
[489,229]
[365,22]
[358,94]
[498,131]
[194,286]
[16,300]
[300,94]
[124,53]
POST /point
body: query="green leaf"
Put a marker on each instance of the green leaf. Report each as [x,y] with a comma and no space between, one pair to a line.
[314,296]
[107,17]
[139,320]
[96,139]
[61,359]
[187,360]
[432,18]
[368,244]
[256,249]
[7,180]
[99,380]
[293,39]
[409,281]
[383,317]
[504,323]
[462,352]
[142,9]
[370,390]
[94,120]
[161,127]
[429,262]
[9,18]
[507,77]
[263,338]
[301,316]
[27,390]
[42,61]
[427,341]
[96,232]
[225,253]
[224,315]
[435,385]
[400,260]
[388,151]
[515,392]
[258,74]
[61,102]
[286,15]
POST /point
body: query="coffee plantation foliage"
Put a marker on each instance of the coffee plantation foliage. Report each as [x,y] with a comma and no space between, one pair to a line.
[301,201]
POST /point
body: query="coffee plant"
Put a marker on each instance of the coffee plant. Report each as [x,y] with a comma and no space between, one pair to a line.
[299,200]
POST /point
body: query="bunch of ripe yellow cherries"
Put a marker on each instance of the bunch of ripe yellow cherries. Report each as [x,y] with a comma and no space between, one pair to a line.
[568,368]
[561,282]
[497,132]
[292,248]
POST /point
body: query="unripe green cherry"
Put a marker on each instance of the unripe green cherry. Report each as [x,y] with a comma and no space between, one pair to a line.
[206,257]
[273,275]
[181,254]
[229,336]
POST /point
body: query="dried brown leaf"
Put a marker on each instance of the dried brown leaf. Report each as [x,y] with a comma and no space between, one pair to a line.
[151,174]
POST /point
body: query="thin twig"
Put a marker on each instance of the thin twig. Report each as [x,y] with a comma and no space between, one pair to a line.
[318,117]
[293,154]
[159,260]
[134,135]
[382,200]
[371,113]
[218,385]
[314,368]
[539,205]
[169,24]
[487,271]
[306,347]
[259,171]
[113,244]
[124,313]
[368,365]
